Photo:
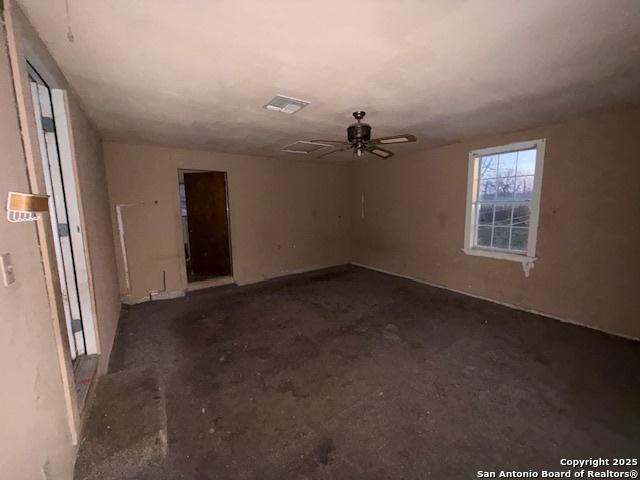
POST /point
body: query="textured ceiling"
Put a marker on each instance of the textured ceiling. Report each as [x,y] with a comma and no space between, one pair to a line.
[197,73]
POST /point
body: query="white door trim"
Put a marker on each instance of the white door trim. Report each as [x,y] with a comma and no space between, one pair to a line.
[57,149]
[54,218]
[76,219]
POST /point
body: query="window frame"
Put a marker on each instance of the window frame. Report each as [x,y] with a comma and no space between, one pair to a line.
[473,174]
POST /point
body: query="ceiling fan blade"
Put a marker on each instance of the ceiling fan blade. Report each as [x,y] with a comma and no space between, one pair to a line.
[335,150]
[406,138]
[380,152]
[330,142]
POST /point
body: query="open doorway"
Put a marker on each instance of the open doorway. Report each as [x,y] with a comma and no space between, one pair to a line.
[205,224]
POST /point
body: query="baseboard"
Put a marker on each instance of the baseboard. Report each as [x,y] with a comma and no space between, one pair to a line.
[505,304]
[212,282]
[168,295]
[297,271]
[127,300]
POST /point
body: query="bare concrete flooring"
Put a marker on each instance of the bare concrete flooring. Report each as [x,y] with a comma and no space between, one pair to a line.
[352,374]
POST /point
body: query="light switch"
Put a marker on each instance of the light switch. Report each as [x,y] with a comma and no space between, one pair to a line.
[8,277]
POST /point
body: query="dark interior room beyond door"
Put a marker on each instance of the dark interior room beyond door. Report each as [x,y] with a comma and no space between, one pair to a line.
[208,250]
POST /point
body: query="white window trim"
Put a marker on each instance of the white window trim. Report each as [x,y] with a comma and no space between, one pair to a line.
[472,184]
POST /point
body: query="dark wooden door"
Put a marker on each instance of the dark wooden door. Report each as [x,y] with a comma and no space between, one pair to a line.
[206,195]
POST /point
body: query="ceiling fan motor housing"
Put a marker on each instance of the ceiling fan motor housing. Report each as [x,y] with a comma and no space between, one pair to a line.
[359,132]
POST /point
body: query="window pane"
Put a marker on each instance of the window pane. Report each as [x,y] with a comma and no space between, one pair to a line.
[527,162]
[519,238]
[485,215]
[502,199]
[503,215]
[507,164]
[484,237]
[501,237]
[487,189]
[521,215]
[489,166]
[524,188]
[505,188]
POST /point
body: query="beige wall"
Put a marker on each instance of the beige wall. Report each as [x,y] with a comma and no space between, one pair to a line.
[38,403]
[286,215]
[92,183]
[289,215]
[34,431]
[589,259]
[90,173]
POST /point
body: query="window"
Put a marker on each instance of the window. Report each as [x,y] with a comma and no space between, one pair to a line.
[503,198]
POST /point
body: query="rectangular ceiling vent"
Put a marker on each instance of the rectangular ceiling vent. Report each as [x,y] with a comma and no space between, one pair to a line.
[304,147]
[281,103]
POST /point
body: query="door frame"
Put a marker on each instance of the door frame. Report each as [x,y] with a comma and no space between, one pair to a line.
[70,187]
[213,281]
[58,216]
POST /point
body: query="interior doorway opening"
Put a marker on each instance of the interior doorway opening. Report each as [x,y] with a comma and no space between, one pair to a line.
[204,209]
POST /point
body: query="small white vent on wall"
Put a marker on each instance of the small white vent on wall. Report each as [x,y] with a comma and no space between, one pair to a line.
[304,147]
[281,103]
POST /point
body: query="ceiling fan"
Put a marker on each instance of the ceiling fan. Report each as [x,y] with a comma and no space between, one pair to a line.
[359,139]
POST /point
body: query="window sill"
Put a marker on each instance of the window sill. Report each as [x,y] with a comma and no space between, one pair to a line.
[513,257]
[525,260]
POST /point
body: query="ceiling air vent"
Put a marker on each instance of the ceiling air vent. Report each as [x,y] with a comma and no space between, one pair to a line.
[283,104]
[304,147]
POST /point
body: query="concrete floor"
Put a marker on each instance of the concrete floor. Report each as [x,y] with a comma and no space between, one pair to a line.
[349,373]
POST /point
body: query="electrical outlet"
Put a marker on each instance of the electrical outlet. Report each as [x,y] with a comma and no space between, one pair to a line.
[8,277]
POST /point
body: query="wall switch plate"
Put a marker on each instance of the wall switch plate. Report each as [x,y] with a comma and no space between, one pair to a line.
[8,277]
